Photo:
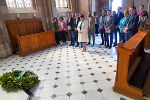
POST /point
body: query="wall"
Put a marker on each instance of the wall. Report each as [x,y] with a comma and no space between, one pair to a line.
[104,4]
[83,7]
[44,9]
[5,44]
[96,7]
[128,3]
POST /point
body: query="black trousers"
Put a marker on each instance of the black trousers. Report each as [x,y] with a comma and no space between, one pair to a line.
[96,28]
[102,32]
[115,33]
[122,37]
[57,37]
[76,37]
[63,36]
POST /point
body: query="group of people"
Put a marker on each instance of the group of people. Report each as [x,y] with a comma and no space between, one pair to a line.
[109,24]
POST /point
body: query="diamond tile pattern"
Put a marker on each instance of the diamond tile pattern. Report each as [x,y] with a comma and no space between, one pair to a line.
[66,73]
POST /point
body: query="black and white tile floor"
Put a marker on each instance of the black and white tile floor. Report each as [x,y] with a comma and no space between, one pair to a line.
[66,73]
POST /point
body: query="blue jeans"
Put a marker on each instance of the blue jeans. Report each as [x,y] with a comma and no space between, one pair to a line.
[71,34]
[63,36]
[109,39]
[122,37]
[115,34]
[127,36]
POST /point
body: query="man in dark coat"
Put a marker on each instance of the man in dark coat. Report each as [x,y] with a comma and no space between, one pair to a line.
[131,25]
[101,26]
[75,25]
[108,25]
[70,29]
[117,19]
[96,23]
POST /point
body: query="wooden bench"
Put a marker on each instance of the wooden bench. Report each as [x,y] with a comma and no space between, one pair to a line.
[22,28]
[35,42]
[129,62]
[147,38]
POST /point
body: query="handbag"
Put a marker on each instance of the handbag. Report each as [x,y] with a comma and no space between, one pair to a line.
[108,31]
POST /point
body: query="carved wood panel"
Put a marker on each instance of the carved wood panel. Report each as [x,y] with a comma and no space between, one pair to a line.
[23,28]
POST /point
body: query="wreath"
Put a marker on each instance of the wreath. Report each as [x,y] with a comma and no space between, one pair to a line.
[18,80]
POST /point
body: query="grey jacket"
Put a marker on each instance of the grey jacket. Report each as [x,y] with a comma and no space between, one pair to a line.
[92,25]
[109,23]
[101,21]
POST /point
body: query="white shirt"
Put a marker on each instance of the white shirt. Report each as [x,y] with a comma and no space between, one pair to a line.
[69,20]
[76,20]
[108,17]
[89,20]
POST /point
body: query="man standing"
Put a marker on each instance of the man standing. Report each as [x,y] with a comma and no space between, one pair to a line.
[101,27]
[131,25]
[91,28]
[70,29]
[119,16]
[75,25]
[96,23]
[143,16]
[108,25]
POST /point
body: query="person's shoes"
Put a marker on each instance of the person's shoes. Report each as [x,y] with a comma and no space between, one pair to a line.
[70,44]
[110,47]
[88,44]
[114,45]
[76,45]
[93,45]
[106,46]
[57,43]
[102,44]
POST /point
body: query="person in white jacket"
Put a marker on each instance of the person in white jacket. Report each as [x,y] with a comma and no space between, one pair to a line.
[83,31]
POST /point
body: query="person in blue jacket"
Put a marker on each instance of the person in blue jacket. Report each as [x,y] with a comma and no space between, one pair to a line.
[123,36]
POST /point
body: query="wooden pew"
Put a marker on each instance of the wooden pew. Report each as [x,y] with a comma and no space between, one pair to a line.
[147,38]
[22,28]
[35,42]
[128,55]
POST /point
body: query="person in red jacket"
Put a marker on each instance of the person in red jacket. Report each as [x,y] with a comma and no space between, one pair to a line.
[62,29]
[143,16]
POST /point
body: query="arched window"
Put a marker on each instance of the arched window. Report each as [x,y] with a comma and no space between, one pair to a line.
[19,3]
[61,3]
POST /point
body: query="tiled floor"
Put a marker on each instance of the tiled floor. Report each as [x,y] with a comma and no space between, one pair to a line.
[66,73]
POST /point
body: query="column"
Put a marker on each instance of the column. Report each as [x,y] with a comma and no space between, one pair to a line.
[5,44]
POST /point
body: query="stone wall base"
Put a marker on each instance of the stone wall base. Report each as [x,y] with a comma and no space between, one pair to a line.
[5,51]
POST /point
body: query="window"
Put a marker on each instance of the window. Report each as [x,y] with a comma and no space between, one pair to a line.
[116,4]
[19,3]
[61,3]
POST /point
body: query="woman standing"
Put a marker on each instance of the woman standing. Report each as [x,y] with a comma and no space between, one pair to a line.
[82,29]
[123,36]
[56,29]
[62,29]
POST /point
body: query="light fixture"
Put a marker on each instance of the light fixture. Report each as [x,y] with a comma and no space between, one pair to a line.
[17,16]
[34,15]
